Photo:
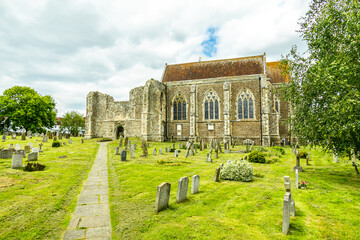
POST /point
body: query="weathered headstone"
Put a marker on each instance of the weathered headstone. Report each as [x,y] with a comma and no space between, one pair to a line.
[217,175]
[64,143]
[17,146]
[216,155]
[35,149]
[162,197]
[195,184]
[201,144]
[219,146]
[288,189]
[40,145]
[33,156]
[126,141]
[13,136]
[298,167]
[129,143]
[195,147]
[45,138]
[176,153]
[60,136]
[123,155]
[70,141]
[173,146]
[166,150]
[286,213]
[120,141]
[54,138]
[209,159]
[191,152]
[297,177]
[154,152]
[82,140]
[20,152]
[182,189]
[16,161]
[23,136]
[27,149]
[160,151]
[144,148]
[11,146]
[249,144]
[6,153]
[117,151]
[3,138]
[132,151]
[169,148]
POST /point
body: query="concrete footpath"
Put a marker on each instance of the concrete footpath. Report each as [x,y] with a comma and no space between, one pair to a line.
[91,218]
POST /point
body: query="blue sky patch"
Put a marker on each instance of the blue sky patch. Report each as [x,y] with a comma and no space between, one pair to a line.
[209,46]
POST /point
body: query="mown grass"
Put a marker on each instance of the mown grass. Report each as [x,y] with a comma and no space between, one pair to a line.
[38,205]
[328,209]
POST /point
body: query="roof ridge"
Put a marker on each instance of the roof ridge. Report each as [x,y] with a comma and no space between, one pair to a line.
[216,60]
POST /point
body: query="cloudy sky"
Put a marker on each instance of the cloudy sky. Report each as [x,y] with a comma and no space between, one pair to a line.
[67,48]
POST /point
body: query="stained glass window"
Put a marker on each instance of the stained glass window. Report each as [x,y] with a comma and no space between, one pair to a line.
[211,106]
[246,105]
[179,107]
[276,104]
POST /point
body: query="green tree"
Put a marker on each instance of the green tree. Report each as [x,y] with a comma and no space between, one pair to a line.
[324,90]
[24,108]
[72,122]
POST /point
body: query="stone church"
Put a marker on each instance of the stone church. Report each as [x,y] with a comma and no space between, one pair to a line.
[222,99]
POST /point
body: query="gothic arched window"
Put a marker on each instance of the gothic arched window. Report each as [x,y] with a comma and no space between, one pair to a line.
[246,105]
[179,107]
[211,106]
[276,104]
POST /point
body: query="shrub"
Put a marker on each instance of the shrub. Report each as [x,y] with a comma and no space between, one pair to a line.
[105,140]
[30,167]
[256,157]
[279,149]
[238,171]
[55,144]
[303,154]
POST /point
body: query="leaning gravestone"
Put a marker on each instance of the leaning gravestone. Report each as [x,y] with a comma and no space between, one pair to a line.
[217,175]
[182,189]
[123,155]
[17,146]
[195,184]
[144,148]
[16,161]
[162,197]
[117,151]
[6,153]
[33,156]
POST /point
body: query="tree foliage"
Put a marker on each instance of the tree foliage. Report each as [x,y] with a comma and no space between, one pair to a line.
[24,108]
[324,90]
[72,122]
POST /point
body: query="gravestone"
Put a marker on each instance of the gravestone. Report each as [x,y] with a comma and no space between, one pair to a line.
[173,146]
[171,138]
[288,189]
[202,145]
[216,155]
[129,143]
[45,138]
[123,155]
[70,141]
[298,167]
[222,165]
[20,152]
[40,145]
[195,184]
[37,150]
[117,151]
[166,150]
[67,136]
[55,139]
[195,147]
[154,152]
[191,152]
[176,153]
[13,136]
[17,146]
[64,143]
[219,146]
[217,175]
[30,144]
[162,197]
[11,146]
[60,136]
[17,161]
[249,144]
[286,213]
[23,136]
[126,141]
[82,140]
[50,135]
[169,148]
[297,177]
[132,151]
[182,189]
[6,153]
[27,149]
[33,156]
[120,141]
[160,151]
[144,148]
[3,138]
[209,159]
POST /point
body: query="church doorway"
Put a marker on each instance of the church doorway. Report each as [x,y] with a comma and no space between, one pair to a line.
[119,131]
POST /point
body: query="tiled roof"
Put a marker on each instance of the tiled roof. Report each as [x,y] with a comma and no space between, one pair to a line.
[214,69]
[274,73]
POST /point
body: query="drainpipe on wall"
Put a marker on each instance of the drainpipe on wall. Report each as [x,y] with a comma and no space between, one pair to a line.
[260,111]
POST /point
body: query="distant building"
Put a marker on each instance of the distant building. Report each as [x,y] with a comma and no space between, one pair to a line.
[208,99]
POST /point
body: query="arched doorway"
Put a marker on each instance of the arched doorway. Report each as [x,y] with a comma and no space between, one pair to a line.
[119,131]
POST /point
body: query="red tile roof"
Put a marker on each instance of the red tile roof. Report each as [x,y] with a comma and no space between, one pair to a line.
[275,73]
[214,69]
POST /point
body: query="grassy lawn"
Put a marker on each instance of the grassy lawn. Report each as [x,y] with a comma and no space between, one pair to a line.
[38,205]
[328,209]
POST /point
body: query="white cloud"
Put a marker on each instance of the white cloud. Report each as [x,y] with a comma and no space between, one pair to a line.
[68,48]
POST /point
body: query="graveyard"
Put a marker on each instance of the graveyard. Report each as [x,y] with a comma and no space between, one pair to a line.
[40,204]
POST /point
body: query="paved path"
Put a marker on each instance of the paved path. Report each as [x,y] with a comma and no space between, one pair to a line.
[91,218]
